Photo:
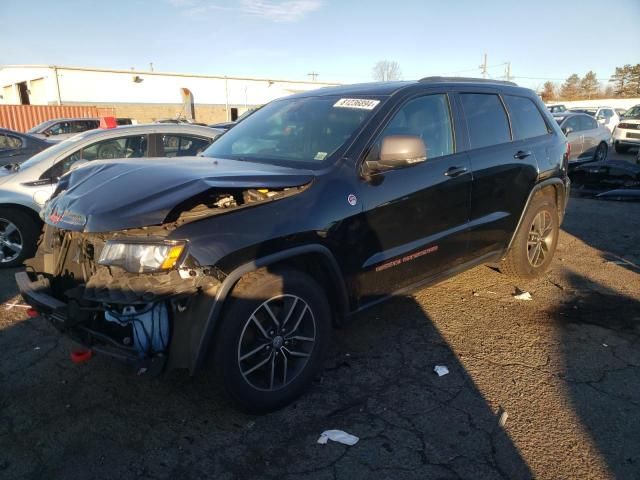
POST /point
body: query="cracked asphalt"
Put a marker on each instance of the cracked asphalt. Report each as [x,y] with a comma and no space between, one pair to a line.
[565,367]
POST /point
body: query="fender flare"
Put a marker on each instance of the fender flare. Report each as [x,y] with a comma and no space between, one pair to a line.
[562,202]
[199,356]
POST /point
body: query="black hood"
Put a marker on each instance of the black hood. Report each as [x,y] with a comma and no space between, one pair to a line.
[121,194]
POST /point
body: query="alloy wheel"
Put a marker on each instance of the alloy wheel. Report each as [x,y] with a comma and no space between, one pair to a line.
[276,342]
[601,153]
[11,242]
[540,238]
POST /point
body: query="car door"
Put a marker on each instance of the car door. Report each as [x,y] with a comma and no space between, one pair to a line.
[415,218]
[591,133]
[11,148]
[504,170]
[571,128]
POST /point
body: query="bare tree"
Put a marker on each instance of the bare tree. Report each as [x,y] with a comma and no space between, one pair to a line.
[386,71]
[549,92]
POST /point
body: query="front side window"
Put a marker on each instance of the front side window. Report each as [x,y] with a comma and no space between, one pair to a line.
[486,119]
[9,142]
[59,128]
[184,145]
[525,118]
[126,147]
[426,117]
[586,123]
[307,130]
[572,124]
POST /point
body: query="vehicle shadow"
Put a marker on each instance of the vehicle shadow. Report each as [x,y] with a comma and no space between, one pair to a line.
[98,420]
[8,288]
[599,333]
[614,238]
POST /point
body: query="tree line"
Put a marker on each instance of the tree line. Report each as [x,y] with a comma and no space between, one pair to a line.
[624,83]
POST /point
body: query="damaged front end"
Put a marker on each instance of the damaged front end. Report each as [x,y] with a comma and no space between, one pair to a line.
[112,269]
[119,293]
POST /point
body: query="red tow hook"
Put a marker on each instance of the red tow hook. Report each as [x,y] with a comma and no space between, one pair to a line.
[81,356]
[32,312]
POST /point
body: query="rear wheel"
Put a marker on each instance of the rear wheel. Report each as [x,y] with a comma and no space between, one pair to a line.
[18,237]
[272,340]
[535,242]
[601,152]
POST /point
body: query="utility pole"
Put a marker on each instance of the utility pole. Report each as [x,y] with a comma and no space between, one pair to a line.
[483,67]
[508,72]
[313,75]
[151,66]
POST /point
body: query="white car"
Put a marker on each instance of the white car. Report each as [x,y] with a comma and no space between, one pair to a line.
[627,133]
[606,116]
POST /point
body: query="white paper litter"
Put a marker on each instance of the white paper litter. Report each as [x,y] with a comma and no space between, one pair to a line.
[337,436]
[523,296]
[441,370]
[503,418]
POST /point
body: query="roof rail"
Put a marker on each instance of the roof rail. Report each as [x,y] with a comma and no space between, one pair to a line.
[466,80]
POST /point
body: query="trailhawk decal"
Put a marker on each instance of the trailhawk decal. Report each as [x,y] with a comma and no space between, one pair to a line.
[361,103]
[406,258]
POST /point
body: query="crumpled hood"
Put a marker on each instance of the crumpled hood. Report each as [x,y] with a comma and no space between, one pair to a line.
[116,195]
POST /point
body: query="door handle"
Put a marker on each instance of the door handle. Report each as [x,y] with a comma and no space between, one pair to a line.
[455,171]
[520,154]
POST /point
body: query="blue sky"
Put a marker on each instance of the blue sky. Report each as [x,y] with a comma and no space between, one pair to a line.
[341,40]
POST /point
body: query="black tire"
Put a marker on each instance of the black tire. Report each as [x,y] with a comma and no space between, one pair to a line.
[27,231]
[527,242]
[601,153]
[621,148]
[261,390]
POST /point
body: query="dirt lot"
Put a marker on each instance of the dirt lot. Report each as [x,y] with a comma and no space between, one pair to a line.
[565,367]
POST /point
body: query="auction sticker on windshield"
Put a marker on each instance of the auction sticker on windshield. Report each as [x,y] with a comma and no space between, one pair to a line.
[362,103]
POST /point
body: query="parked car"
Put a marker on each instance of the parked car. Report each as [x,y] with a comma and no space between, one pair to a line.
[556,108]
[315,207]
[227,125]
[589,141]
[627,133]
[16,147]
[621,112]
[606,116]
[60,129]
[25,188]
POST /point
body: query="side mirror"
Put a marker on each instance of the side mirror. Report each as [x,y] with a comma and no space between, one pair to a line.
[399,151]
[567,130]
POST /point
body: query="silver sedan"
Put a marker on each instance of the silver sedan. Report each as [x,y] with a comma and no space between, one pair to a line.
[26,187]
[588,139]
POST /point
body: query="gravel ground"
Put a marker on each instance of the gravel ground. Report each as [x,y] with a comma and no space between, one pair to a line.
[565,367]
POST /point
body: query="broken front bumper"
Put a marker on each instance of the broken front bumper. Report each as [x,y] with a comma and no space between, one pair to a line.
[85,323]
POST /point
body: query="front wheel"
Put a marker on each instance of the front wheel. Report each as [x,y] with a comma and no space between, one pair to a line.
[535,242]
[18,237]
[272,340]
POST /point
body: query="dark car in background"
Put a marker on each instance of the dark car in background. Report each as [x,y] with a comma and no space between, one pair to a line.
[62,128]
[315,207]
[16,147]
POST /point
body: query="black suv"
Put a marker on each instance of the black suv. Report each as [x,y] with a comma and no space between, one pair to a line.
[313,208]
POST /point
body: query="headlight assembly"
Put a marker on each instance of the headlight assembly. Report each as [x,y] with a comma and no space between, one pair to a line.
[142,257]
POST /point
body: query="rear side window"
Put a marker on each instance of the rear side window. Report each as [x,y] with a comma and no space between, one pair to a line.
[486,119]
[183,145]
[587,123]
[525,118]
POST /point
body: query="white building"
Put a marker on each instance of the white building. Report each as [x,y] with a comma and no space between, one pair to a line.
[58,85]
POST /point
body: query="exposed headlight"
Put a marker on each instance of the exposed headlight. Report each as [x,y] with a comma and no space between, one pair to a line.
[142,257]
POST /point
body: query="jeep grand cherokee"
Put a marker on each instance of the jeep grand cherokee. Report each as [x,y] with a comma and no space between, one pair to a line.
[315,207]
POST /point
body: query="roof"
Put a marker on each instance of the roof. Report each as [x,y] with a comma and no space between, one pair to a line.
[389,88]
[155,128]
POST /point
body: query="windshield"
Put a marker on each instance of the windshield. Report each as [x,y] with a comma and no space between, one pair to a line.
[309,130]
[40,127]
[633,112]
[50,152]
